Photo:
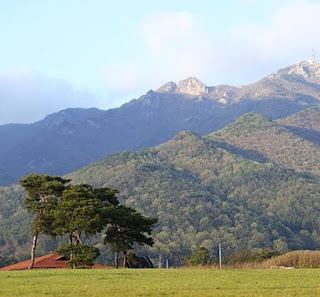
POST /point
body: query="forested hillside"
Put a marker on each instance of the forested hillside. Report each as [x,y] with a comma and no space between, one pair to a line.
[305,124]
[253,184]
[257,133]
[205,192]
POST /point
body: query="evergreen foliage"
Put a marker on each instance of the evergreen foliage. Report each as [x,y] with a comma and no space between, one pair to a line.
[75,210]
[83,209]
[128,227]
[84,255]
[43,194]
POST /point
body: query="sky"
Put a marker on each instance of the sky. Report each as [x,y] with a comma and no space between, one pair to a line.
[57,54]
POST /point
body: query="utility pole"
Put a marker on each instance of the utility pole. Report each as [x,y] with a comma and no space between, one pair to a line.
[313,57]
[167,264]
[220,262]
[160,261]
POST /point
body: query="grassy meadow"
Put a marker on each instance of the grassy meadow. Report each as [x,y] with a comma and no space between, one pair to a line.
[172,282]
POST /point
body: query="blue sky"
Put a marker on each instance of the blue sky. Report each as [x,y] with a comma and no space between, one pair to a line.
[78,53]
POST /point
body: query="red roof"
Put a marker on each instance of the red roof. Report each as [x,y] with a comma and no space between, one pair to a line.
[46,261]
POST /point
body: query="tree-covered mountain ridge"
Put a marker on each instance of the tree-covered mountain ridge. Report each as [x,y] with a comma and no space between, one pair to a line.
[209,190]
[305,124]
[274,141]
[69,139]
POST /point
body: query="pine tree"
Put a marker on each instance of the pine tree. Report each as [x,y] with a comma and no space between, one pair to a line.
[128,227]
[43,194]
[83,210]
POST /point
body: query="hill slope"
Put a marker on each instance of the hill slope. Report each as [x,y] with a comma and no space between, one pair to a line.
[256,132]
[205,193]
[306,124]
[70,139]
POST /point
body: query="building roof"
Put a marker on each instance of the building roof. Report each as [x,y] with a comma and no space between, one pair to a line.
[139,262]
[46,261]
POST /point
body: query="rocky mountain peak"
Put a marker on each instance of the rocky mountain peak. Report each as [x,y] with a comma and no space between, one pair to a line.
[189,86]
[169,87]
[192,86]
[308,69]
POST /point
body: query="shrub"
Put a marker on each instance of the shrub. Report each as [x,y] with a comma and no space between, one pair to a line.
[296,259]
[202,257]
[83,254]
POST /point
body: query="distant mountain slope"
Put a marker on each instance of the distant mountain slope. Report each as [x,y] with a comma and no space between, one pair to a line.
[54,145]
[70,139]
[5,178]
[305,124]
[256,132]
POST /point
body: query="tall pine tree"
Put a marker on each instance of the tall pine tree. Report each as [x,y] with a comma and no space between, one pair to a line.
[43,194]
[127,228]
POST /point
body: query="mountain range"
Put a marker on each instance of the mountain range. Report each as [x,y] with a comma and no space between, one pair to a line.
[252,185]
[67,140]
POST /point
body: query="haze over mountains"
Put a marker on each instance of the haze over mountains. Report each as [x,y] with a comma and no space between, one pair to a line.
[72,138]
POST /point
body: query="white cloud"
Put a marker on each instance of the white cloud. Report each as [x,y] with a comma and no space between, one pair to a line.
[27,96]
[122,75]
[178,46]
[291,33]
[175,47]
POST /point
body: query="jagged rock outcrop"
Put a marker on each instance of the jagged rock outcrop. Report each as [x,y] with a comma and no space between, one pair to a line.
[169,87]
[192,86]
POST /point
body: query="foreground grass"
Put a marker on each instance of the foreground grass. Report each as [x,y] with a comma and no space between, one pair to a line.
[172,282]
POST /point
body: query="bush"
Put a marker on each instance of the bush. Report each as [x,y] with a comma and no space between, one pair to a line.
[248,256]
[84,255]
[296,259]
[202,257]
[7,260]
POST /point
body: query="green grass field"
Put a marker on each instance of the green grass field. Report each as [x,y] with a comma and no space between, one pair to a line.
[172,282]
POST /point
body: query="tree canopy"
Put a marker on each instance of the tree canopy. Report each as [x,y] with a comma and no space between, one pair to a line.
[76,210]
[126,228]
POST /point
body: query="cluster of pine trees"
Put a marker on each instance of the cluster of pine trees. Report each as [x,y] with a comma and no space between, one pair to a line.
[61,208]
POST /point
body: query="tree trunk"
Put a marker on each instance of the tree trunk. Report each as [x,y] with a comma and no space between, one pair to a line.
[33,251]
[71,253]
[124,259]
[78,241]
[116,260]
